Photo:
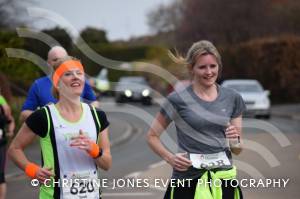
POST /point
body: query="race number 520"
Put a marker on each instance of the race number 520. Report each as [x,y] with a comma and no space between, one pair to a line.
[82,188]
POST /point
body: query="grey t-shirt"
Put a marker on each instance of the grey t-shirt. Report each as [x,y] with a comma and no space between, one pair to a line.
[200,125]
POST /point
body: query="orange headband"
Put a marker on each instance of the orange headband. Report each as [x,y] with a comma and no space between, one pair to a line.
[62,68]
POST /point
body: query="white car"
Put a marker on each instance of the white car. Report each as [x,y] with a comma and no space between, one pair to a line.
[101,83]
[255,97]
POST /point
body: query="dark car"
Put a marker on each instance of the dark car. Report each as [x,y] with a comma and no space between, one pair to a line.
[133,88]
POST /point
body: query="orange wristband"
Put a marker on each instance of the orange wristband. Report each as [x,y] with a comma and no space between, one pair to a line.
[94,152]
[31,169]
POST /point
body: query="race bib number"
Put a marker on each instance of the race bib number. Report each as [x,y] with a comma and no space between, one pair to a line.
[81,185]
[209,161]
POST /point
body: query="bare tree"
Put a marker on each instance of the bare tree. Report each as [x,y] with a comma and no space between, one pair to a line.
[223,21]
[11,13]
[166,18]
[286,15]
[226,21]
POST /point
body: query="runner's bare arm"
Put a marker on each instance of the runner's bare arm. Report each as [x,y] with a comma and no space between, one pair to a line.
[16,150]
[24,115]
[9,116]
[177,161]
[105,161]
[233,131]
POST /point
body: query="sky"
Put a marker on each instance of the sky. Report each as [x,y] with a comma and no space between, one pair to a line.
[122,19]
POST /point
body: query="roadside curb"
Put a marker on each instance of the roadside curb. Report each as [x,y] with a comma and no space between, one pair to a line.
[286,116]
[125,136]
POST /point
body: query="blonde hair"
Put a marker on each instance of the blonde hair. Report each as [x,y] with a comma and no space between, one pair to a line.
[202,47]
[54,90]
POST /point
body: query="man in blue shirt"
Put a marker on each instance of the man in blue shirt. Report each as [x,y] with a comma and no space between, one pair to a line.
[40,94]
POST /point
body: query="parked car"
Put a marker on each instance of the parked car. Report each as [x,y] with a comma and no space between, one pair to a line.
[255,97]
[101,83]
[133,88]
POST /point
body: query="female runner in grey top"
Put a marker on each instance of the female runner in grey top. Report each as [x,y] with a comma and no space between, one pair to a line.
[206,115]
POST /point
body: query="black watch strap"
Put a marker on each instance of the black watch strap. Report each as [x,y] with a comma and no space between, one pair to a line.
[100,154]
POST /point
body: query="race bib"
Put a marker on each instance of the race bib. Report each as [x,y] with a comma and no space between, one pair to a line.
[209,161]
[81,185]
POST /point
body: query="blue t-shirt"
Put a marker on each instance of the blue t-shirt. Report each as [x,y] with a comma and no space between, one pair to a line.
[40,94]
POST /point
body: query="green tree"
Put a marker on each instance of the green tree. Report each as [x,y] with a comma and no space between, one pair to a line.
[41,49]
[20,71]
[94,36]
